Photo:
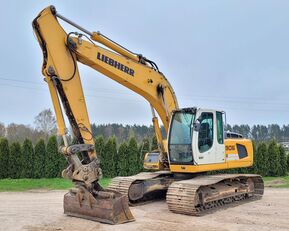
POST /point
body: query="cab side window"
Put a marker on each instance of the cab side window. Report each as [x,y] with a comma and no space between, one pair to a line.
[205,141]
[220,129]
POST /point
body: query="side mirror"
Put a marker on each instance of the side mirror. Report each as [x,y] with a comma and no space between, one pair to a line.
[196,125]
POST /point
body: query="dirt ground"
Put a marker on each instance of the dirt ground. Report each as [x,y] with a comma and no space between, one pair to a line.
[42,211]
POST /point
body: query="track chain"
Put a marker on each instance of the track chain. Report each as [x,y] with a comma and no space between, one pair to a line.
[182,196]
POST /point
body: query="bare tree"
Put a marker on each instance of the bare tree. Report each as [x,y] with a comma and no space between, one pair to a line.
[2,129]
[18,132]
[45,122]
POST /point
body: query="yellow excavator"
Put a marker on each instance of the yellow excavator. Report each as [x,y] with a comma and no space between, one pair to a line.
[195,146]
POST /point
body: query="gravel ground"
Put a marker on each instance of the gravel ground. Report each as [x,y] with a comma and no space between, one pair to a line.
[42,211]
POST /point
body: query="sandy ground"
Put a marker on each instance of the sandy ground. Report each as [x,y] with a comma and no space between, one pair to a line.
[42,211]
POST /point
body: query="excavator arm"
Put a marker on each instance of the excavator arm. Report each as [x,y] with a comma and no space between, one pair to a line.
[61,51]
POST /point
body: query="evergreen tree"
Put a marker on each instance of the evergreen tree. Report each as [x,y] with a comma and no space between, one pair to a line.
[15,160]
[133,157]
[52,158]
[154,143]
[99,145]
[122,164]
[261,159]
[39,159]
[109,153]
[282,158]
[27,159]
[145,148]
[274,162]
[4,158]
[287,162]
[99,149]
[115,157]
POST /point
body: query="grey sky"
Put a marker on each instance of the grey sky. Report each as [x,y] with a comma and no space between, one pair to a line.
[230,55]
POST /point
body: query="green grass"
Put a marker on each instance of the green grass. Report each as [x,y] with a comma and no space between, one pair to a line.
[277,182]
[13,185]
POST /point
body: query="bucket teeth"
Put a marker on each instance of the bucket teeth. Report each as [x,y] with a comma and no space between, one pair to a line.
[107,206]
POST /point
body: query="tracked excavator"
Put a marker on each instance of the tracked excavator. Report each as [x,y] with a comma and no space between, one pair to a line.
[182,166]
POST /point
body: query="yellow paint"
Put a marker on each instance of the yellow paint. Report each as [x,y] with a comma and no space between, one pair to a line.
[87,54]
[245,162]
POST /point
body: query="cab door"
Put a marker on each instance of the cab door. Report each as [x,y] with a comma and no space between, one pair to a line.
[220,146]
[206,147]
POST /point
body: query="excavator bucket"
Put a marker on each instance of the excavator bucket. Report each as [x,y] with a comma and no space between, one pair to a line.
[107,206]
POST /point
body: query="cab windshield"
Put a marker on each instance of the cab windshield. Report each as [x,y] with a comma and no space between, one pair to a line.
[180,138]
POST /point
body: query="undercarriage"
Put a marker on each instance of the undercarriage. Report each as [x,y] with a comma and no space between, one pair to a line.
[189,194]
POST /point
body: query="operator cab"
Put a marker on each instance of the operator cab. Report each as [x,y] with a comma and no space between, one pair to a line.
[196,136]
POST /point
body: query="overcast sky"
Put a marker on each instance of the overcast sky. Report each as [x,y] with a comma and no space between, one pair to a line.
[229,55]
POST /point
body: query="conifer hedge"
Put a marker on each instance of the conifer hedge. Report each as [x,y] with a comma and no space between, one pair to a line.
[274,159]
[15,161]
[27,153]
[109,155]
[261,159]
[133,157]
[4,158]
[287,163]
[39,159]
[44,161]
[283,163]
[52,159]
[122,165]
